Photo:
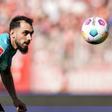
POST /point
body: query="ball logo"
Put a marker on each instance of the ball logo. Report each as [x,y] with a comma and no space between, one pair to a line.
[88,21]
[1,51]
[101,22]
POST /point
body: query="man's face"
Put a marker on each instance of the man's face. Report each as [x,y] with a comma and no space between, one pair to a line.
[23,36]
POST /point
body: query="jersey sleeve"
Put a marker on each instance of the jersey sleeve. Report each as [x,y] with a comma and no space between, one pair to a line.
[3,43]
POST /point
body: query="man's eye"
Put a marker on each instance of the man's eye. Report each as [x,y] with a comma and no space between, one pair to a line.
[26,33]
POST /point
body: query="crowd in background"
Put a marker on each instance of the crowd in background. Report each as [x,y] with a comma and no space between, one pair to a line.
[57,45]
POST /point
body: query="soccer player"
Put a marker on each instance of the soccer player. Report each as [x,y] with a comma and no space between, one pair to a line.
[18,38]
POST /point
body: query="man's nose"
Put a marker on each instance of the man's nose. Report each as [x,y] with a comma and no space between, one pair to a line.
[29,37]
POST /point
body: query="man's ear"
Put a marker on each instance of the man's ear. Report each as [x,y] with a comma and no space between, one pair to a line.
[12,34]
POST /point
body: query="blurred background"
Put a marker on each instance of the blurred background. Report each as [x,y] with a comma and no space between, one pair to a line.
[59,61]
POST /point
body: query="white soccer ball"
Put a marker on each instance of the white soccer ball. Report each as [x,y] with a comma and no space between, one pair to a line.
[95,30]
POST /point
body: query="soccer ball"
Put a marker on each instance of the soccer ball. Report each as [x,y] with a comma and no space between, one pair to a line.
[94,30]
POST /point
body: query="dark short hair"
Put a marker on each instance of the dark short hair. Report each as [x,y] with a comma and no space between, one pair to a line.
[15,22]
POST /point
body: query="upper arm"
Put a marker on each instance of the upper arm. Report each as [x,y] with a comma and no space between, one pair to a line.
[7,71]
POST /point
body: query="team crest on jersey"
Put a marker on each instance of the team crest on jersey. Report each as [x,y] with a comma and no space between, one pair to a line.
[1,51]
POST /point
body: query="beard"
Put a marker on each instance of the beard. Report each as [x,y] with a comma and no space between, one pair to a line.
[21,49]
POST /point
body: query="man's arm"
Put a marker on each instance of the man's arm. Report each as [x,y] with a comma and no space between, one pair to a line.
[8,82]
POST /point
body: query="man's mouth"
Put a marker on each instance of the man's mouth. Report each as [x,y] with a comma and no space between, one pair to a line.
[27,43]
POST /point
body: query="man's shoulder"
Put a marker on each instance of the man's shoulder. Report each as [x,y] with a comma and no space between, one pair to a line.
[4,36]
